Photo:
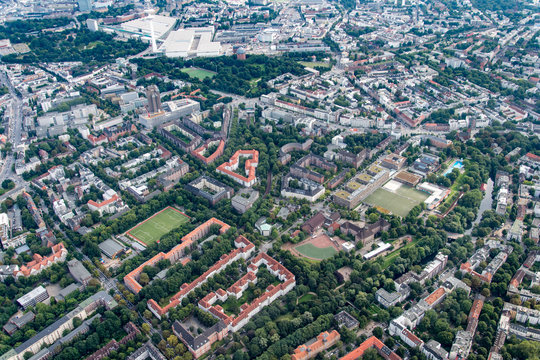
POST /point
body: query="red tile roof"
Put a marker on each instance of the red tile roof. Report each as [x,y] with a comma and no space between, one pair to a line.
[476,309]
[113,199]
[198,153]
[369,343]
[533,157]
[435,296]
[187,240]
[324,341]
[251,165]
[39,262]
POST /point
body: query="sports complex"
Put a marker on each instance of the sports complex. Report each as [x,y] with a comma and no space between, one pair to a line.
[319,247]
[396,198]
[159,224]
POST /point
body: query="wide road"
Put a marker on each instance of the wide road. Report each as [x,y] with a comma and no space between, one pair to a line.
[14,133]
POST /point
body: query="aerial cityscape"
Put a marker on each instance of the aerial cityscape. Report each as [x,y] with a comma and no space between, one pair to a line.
[269,179]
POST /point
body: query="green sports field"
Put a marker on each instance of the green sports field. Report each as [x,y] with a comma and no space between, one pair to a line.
[399,202]
[199,73]
[152,229]
[314,252]
[312,64]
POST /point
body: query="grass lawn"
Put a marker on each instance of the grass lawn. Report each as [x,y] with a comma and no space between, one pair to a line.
[199,73]
[312,64]
[399,202]
[153,228]
[374,309]
[288,316]
[92,45]
[314,252]
[389,259]
[305,298]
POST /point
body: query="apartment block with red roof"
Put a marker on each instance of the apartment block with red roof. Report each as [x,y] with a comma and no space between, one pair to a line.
[176,253]
[372,342]
[229,168]
[107,206]
[200,151]
[531,159]
[244,249]
[323,341]
[40,263]
[230,323]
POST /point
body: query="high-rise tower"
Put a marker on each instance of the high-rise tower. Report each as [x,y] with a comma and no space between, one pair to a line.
[154,99]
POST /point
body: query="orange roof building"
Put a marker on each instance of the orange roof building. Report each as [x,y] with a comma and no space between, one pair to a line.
[228,168]
[324,341]
[198,153]
[435,297]
[175,254]
[105,206]
[533,157]
[230,323]
[40,263]
[372,342]
[243,250]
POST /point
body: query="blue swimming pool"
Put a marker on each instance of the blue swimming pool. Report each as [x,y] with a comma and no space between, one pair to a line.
[458,164]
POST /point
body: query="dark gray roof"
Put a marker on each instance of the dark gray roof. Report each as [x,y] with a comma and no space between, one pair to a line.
[66,291]
[10,328]
[23,320]
[47,331]
[78,271]
[42,354]
[195,343]
[110,247]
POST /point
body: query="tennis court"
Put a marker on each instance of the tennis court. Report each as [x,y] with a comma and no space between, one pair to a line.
[153,228]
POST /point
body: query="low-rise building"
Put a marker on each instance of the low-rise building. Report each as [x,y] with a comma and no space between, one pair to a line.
[372,342]
[393,161]
[324,340]
[79,272]
[244,200]
[18,322]
[111,248]
[388,299]
[33,297]
[343,318]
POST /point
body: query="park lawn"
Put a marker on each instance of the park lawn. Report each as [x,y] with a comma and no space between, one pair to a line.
[389,259]
[374,309]
[312,64]
[287,316]
[454,190]
[306,298]
[91,45]
[152,229]
[253,82]
[198,73]
[314,252]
